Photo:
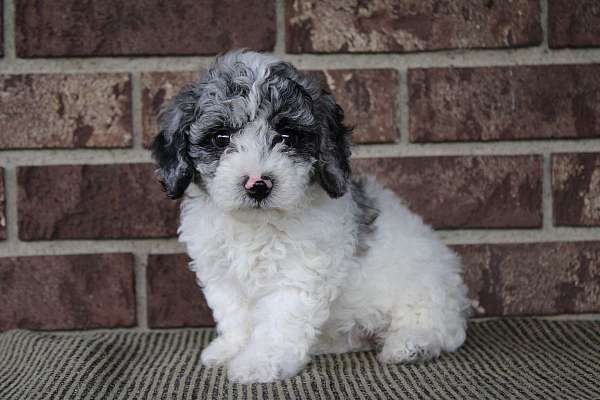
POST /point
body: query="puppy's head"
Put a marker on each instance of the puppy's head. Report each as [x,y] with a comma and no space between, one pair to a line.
[253,132]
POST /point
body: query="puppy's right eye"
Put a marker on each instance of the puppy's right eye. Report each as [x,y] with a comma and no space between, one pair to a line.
[290,140]
[221,140]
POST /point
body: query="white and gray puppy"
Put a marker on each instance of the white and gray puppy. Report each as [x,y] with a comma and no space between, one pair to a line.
[294,256]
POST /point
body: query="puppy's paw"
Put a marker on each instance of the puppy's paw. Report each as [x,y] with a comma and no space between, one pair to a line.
[218,352]
[408,348]
[409,353]
[255,366]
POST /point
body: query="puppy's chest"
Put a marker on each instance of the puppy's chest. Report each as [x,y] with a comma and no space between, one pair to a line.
[264,257]
[268,254]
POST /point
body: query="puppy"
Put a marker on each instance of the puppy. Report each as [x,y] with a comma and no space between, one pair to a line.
[296,258]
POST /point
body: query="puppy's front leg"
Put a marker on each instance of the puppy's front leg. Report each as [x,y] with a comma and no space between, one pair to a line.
[286,325]
[230,310]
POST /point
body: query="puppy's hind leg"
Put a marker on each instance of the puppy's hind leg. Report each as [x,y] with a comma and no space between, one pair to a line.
[418,333]
[405,344]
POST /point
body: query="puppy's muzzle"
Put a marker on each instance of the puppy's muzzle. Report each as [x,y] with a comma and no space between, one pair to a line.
[258,187]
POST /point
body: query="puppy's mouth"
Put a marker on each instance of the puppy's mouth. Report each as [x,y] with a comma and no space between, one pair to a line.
[264,204]
[256,212]
[257,205]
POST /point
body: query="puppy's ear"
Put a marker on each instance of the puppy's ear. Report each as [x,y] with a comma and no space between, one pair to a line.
[333,164]
[170,147]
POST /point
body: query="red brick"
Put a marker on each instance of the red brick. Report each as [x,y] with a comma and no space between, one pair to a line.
[576,189]
[67,292]
[93,202]
[369,98]
[350,26]
[533,278]
[174,297]
[141,27]
[465,192]
[2,206]
[573,23]
[157,89]
[65,111]
[504,103]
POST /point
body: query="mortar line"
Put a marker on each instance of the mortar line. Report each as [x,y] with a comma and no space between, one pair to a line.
[136,111]
[141,301]
[547,198]
[512,235]
[72,156]
[8,13]
[279,48]
[10,201]
[403,106]
[544,24]
[90,246]
[500,148]
[450,58]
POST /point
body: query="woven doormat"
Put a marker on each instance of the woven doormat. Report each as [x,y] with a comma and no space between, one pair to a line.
[502,359]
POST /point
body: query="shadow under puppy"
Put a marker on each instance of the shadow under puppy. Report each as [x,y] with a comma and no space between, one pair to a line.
[296,258]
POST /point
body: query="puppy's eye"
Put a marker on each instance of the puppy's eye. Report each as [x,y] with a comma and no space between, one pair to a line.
[284,138]
[221,140]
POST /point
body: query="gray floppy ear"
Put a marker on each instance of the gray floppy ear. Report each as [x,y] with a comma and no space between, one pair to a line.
[333,164]
[170,147]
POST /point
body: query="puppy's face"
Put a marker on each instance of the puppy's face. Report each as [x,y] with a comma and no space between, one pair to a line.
[253,133]
[259,164]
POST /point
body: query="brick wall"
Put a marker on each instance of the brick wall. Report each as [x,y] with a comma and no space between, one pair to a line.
[483,115]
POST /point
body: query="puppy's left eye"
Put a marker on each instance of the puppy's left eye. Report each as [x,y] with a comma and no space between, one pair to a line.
[221,140]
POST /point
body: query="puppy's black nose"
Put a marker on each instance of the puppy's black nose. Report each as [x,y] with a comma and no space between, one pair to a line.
[258,187]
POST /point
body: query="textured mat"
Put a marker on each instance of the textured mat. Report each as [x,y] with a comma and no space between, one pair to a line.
[502,359]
